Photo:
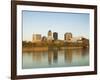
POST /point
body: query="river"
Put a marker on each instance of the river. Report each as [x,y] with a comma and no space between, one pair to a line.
[55,58]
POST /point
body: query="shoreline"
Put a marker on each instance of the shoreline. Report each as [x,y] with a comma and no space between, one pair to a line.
[27,49]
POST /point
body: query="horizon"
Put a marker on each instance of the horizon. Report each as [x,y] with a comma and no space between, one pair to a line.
[58,35]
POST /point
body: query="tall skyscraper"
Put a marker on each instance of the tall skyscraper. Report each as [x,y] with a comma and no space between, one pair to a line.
[49,35]
[55,36]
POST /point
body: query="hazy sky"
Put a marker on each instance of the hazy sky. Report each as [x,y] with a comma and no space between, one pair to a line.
[42,22]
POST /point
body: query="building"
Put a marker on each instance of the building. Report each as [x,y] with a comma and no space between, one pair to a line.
[49,35]
[36,38]
[44,38]
[55,36]
[85,42]
[68,37]
[77,39]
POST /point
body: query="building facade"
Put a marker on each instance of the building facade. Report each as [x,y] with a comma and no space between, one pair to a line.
[44,38]
[49,35]
[68,37]
[36,38]
[77,39]
[55,36]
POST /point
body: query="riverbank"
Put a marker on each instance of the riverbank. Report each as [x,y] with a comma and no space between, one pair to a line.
[39,49]
[34,49]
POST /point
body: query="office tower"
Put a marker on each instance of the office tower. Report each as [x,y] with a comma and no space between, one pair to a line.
[55,36]
[49,35]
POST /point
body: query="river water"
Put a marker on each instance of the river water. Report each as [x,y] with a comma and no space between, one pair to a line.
[55,58]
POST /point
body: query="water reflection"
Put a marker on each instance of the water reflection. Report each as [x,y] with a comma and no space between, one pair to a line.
[55,58]
[68,56]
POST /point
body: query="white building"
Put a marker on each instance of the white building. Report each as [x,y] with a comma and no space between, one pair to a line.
[77,39]
[50,35]
[36,38]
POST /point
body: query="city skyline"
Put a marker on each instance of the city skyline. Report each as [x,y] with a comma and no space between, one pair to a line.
[42,22]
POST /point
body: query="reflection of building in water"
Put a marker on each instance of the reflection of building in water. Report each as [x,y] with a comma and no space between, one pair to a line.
[36,38]
[85,51]
[49,35]
[68,55]
[50,57]
[37,57]
[77,53]
[55,56]
[68,37]
[55,36]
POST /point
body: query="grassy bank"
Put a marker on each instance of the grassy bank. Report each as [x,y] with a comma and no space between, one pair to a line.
[30,49]
[39,49]
[45,46]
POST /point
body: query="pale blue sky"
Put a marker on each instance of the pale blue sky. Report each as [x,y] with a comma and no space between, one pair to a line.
[41,22]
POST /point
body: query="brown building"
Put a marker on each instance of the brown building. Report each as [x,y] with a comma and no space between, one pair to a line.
[68,37]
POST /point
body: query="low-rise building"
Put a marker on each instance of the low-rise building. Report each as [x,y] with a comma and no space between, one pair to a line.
[77,39]
[44,38]
[36,38]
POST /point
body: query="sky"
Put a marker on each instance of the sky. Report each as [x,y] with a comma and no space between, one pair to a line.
[36,22]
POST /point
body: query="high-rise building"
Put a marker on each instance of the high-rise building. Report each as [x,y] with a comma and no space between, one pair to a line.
[55,36]
[49,35]
[68,36]
[36,38]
